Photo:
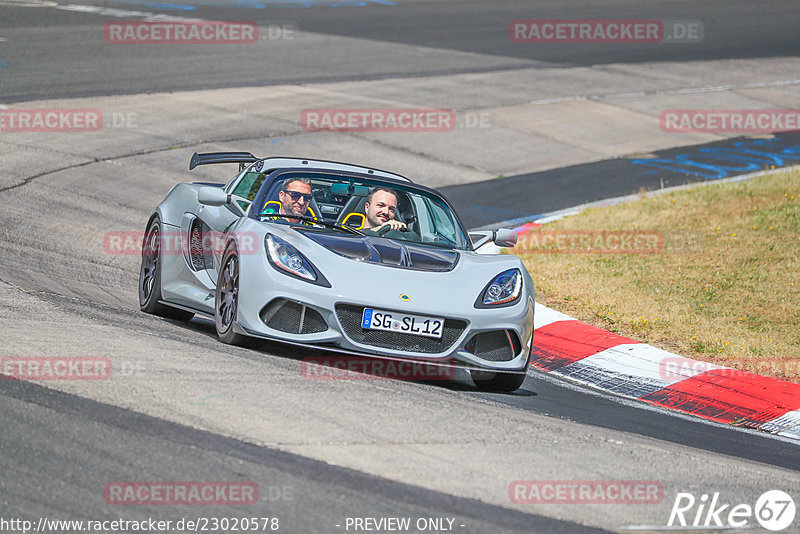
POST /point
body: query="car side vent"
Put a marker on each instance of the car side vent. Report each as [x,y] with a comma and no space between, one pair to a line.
[292,317]
[200,257]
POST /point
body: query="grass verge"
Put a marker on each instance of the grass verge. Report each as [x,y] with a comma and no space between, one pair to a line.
[713,275]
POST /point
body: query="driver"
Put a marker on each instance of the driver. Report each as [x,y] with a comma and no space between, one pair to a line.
[380,209]
[294,197]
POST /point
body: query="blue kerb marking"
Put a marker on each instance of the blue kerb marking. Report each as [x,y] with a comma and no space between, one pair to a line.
[519,222]
[367,318]
[532,218]
[721,162]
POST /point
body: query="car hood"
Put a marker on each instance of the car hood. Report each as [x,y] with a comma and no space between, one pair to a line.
[389,252]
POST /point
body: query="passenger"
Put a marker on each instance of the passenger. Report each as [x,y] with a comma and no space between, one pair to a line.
[294,197]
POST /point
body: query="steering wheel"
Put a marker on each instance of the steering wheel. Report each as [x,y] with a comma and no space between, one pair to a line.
[386,229]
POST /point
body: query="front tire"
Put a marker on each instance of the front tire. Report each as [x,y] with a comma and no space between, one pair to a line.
[226,302]
[500,382]
[150,276]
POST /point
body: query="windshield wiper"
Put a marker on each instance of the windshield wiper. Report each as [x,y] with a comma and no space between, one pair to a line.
[313,220]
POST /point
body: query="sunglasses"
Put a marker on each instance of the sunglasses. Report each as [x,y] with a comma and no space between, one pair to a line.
[296,195]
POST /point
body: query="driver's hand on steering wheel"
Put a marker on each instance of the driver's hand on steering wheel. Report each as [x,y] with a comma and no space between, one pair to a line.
[391,224]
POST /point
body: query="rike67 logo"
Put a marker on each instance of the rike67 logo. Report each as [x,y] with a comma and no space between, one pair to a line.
[774,510]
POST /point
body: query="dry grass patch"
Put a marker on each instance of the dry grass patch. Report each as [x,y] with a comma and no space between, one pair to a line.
[723,289]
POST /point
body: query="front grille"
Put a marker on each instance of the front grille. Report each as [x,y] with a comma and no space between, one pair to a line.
[292,317]
[494,346]
[350,317]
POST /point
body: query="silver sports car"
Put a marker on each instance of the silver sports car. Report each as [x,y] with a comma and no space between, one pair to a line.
[292,250]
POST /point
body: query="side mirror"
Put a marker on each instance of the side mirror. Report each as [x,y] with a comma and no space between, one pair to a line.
[503,237]
[212,196]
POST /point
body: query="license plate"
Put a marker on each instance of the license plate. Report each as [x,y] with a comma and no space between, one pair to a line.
[418,325]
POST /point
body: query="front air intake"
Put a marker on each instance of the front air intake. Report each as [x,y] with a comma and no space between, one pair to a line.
[292,317]
[495,345]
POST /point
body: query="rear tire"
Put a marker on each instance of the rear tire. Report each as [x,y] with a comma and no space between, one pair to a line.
[150,276]
[226,301]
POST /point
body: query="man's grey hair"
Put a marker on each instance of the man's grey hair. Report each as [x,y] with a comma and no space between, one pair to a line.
[286,184]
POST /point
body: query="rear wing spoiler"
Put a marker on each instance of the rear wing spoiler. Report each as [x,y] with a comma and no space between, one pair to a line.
[210,158]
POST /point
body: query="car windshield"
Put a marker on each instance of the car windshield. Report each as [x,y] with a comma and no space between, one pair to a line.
[323,202]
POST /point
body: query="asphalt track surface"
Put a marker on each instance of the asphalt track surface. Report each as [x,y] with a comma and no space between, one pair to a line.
[74,444]
[58,449]
[56,53]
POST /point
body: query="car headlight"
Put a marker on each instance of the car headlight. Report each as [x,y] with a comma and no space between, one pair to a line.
[286,258]
[505,288]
